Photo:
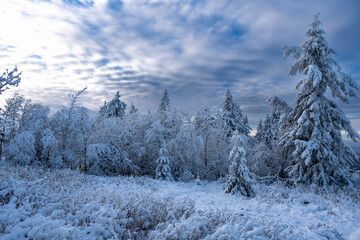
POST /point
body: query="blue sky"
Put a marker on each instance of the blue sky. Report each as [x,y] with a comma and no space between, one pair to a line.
[195,49]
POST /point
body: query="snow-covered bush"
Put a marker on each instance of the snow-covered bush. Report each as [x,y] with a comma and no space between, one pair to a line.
[49,144]
[97,158]
[65,204]
[263,161]
[7,189]
[21,149]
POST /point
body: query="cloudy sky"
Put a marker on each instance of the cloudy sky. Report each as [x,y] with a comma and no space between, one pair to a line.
[194,48]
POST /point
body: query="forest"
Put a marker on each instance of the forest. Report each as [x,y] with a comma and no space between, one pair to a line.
[300,147]
[303,144]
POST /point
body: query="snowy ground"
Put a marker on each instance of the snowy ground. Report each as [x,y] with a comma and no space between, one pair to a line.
[64,204]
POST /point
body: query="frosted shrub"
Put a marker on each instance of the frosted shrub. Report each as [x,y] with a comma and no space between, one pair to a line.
[21,149]
[49,144]
[97,161]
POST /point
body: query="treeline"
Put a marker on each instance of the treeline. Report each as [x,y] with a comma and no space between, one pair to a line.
[303,144]
[123,141]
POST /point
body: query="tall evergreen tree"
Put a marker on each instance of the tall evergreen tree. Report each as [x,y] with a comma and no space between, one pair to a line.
[102,110]
[280,111]
[266,132]
[233,118]
[163,170]
[115,108]
[319,153]
[167,117]
[238,179]
[164,106]
[133,109]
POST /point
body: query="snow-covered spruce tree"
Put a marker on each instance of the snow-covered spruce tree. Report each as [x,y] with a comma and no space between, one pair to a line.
[259,128]
[164,106]
[262,159]
[102,111]
[280,111]
[132,109]
[266,132]
[163,170]
[319,154]
[233,118]
[279,115]
[168,117]
[238,178]
[115,108]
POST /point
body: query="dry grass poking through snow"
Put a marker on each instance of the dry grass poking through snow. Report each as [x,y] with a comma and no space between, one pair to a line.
[63,204]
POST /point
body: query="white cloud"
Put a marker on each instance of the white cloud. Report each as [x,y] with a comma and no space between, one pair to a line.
[196,49]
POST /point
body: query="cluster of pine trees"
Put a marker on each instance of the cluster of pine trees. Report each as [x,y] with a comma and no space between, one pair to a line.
[303,144]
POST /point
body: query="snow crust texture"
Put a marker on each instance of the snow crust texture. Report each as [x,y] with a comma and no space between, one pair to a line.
[65,204]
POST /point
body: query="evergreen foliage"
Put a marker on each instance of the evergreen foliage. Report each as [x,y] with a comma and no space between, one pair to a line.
[163,170]
[266,132]
[170,145]
[115,108]
[164,106]
[319,154]
[132,109]
[238,178]
[233,118]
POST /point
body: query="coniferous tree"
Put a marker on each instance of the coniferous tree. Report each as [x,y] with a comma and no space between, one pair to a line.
[266,132]
[132,109]
[319,153]
[238,179]
[280,111]
[102,110]
[168,118]
[259,128]
[116,108]
[233,118]
[280,117]
[163,170]
[262,159]
[164,106]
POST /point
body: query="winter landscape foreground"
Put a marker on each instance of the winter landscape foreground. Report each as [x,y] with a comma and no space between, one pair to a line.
[37,203]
